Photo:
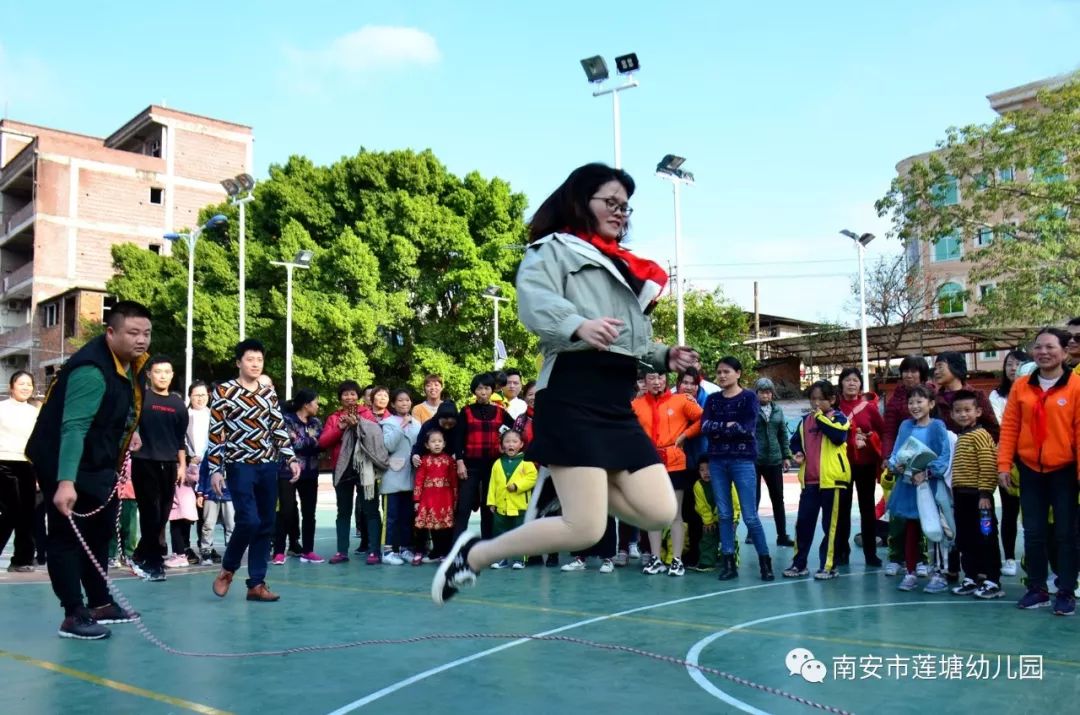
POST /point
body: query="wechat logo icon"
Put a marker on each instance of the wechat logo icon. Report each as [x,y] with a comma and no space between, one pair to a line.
[800,661]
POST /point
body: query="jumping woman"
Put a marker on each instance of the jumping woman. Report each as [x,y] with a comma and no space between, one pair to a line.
[587,298]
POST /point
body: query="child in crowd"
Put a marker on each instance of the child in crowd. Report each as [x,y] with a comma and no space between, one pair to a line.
[932,433]
[512,482]
[820,448]
[435,494]
[974,478]
[400,431]
[705,506]
[129,520]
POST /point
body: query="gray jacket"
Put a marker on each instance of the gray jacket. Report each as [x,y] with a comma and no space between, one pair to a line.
[399,443]
[362,445]
[564,281]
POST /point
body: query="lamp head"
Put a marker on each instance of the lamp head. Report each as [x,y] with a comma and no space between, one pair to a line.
[595,68]
[215,221]
[173,236]
[246,181]
[670,164]
[628,63]
[493,291]
[303,258]
[232,188]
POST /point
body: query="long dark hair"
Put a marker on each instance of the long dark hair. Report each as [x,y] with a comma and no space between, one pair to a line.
[301,398]
[567,209]
[1006,384]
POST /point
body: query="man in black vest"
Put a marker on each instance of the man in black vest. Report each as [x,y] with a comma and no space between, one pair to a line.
[77,448]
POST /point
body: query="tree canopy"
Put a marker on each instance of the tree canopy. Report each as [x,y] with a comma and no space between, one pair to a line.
[1009,190]
[403,251]
[714,326]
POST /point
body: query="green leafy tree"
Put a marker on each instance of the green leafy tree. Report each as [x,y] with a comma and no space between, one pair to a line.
[714,326]
[403,251]
[1013,184]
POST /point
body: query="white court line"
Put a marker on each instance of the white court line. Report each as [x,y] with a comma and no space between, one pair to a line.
[393,688]
[708,686]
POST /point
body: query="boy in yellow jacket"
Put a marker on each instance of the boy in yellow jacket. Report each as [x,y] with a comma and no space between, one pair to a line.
[512,482]
[705,506]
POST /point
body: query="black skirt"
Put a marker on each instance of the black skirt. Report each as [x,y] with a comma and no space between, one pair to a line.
[583,416]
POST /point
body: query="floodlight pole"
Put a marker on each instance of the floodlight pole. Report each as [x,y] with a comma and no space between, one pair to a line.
[680,313]
[631,82]
[242,291]
[495,344]
[862,318]
[289,266]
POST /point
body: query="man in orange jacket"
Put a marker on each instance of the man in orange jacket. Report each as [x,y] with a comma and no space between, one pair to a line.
[669,419]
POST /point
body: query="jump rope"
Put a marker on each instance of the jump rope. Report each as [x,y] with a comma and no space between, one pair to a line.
[154,640]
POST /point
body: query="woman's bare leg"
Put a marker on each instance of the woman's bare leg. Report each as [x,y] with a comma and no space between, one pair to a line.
[678,533]
[643,498]
[583,494]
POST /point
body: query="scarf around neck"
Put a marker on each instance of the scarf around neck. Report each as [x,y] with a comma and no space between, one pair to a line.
[646,278]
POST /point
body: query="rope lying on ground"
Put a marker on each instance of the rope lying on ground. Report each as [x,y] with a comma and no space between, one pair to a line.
[149,635]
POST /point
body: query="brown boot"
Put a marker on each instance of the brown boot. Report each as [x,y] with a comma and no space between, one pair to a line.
[222,583]
[261,593]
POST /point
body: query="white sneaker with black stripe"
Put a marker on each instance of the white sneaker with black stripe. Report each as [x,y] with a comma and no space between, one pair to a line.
[454,572]
[676,568]
[654,567]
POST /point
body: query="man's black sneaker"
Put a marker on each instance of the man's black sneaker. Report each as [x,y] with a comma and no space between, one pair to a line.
[157,574]
[454,572]
[215,556]
[82,627]
[108,615]
[193,558]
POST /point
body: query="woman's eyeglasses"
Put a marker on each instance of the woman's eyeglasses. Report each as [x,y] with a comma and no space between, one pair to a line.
[615,206]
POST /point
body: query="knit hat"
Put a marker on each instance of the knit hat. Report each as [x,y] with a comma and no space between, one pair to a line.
[763,384]
[956,362]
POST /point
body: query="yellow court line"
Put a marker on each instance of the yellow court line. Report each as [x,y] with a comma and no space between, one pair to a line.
[114,684]
[704,627]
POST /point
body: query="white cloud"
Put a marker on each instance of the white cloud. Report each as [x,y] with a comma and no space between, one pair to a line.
[361,54]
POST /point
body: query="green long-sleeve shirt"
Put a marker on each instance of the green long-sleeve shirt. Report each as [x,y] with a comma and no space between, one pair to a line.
[82,400]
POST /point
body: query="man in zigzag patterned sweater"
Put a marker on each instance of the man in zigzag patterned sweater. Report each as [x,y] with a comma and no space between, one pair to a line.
[248,439]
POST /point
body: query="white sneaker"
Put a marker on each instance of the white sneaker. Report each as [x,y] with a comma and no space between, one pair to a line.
[908,583]
[937,584]
[576,565]
[393,559]
[607,566]
[654,567]
[407,555]
[922,570]
[519,565]
[635,552]
[892,568]
[1009,567]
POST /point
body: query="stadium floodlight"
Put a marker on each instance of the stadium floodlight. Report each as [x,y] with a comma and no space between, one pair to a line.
[595,68]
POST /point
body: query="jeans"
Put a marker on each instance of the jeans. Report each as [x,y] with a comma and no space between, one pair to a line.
[345,489]
[155,485]
[296,527]
[254,496]
[212,510]
[17,495]
[399,520]
[69,566]
[1038,493]
[743,474]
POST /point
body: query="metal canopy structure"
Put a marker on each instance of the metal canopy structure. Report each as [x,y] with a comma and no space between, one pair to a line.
[928,337]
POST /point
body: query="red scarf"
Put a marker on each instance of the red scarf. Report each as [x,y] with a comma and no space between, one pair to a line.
[646,278]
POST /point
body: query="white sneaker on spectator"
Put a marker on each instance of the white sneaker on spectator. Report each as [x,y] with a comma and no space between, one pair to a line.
[892,568]
[1009,567]
[922,570]
[607,566]
[578,564]
[635,552]
[407,555]
[393,559]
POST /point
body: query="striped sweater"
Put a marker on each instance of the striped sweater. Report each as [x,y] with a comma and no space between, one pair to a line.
[974,464]
[246,427]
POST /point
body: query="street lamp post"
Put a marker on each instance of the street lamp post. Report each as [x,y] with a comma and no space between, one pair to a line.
[861,242]
[191,238]
[492,293]
[670,169]
[597,72]
[242,184]
[302,260]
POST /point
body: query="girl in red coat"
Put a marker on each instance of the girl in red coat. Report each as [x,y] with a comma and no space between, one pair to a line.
[435,495]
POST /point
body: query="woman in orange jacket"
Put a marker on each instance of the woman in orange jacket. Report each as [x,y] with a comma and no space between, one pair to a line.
[1040,432]
[669,419]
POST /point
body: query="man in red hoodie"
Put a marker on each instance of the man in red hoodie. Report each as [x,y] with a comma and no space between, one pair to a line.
[864,454]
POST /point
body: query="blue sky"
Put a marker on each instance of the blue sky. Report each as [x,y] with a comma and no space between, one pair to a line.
[792,115]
